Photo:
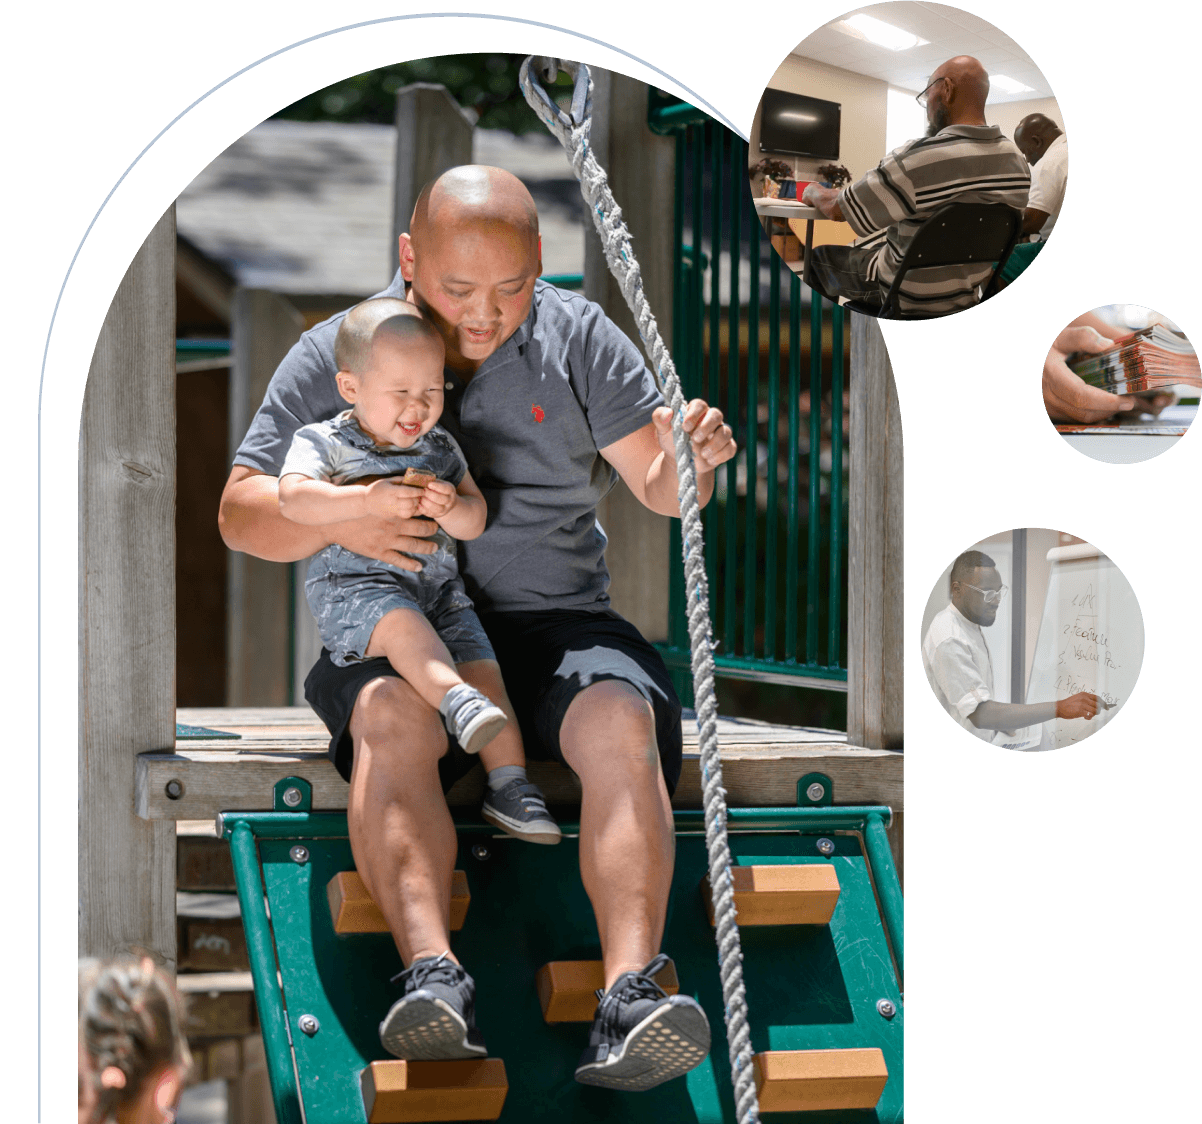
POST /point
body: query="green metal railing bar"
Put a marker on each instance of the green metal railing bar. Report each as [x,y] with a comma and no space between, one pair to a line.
[277,1043]
[196,352]
[754,552]
[564,280]
[667,114]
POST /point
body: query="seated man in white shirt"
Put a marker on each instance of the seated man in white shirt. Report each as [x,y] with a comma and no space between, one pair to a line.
[960,670]
[1042,142]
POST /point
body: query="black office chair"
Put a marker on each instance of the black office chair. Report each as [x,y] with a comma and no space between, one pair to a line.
[956,234]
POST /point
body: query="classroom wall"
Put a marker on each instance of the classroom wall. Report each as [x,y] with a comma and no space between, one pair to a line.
[862,122]
[864,102]
[1007,115]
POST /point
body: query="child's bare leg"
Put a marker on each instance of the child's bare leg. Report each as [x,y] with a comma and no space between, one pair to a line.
[414,649]
[419,656]
[506,748]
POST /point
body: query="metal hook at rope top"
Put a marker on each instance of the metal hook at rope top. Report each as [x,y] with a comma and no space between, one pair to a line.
[548,68]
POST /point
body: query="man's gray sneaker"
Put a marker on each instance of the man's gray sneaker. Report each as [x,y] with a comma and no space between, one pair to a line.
[641,1037]
[472,717]
[435,1020]
[518,808]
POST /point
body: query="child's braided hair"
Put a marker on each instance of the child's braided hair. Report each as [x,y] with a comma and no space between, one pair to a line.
[131,1026]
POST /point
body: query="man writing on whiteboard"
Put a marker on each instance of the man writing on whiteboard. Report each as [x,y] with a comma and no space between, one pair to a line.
[960,669]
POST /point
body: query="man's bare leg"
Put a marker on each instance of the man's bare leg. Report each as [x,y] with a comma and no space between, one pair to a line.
[401,832]
[627,841]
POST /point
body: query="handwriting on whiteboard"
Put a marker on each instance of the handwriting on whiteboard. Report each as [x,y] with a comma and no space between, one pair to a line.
[1085,650]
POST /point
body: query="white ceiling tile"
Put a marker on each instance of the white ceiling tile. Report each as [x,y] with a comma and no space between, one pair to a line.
[950,32]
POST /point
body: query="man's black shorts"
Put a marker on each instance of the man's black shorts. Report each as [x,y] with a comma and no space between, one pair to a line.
[547,658]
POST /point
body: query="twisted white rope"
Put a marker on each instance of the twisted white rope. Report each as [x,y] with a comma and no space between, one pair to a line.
[573,133]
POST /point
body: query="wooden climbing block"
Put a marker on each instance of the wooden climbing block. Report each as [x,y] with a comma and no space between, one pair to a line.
[819,1080]
[781,895]
[353,911]
[567,989]
[397,1091]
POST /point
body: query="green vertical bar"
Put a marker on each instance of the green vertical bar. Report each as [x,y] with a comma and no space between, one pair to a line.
[771,574]
[751,514]
[277,1046]
[835,623]
[815,469]
[884,877]
[691,383]
[677,624]
[678,262]
[730,614]
[792,566]
[714,389]
[694,318]
[692,387]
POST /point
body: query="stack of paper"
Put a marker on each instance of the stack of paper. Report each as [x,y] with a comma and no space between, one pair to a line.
[1146,361]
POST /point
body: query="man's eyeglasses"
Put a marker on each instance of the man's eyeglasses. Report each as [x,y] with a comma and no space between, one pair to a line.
[989,596]
[922,98]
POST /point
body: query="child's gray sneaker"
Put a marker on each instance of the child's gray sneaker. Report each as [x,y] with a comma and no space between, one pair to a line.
[641,1037]
[435,1020]
[471,717]
[518,809]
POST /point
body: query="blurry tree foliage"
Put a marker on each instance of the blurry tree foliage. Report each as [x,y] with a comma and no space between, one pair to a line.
[484,84]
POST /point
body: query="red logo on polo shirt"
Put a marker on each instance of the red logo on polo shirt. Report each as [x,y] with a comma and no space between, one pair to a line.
[537,411]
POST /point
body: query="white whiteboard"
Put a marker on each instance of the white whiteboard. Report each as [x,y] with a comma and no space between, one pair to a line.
[1091,638]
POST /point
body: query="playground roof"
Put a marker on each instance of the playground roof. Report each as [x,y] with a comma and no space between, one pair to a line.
[306,207]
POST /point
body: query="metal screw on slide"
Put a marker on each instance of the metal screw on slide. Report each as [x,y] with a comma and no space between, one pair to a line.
[309,1024]
[885,1008]
[299,854]
[481,852]
[292,796]
[825,846]
[815,792]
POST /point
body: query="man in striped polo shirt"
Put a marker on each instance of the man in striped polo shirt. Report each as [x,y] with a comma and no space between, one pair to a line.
[961,159]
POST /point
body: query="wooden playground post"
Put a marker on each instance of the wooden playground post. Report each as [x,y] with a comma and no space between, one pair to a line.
[874,572]
[641,170]
[127,609]
[432,134]
[263,325]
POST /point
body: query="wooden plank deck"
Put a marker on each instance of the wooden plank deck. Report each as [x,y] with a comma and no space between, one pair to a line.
[761,766]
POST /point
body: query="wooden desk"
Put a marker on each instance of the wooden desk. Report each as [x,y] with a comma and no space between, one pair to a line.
[793,211]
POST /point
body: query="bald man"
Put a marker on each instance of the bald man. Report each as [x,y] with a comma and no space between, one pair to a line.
[1041,141]
[550,404]
[960,160]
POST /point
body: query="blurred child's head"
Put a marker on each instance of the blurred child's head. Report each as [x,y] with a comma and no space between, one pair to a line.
[133,1055]
[390,368]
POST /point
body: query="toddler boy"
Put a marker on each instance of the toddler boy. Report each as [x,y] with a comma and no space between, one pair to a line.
[387,456]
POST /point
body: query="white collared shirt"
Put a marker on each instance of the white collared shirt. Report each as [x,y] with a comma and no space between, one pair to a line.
[958,666]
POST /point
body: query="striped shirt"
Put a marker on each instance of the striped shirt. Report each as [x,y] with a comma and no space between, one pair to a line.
[886,207]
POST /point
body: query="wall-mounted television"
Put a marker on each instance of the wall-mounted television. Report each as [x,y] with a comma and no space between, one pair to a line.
[797,125]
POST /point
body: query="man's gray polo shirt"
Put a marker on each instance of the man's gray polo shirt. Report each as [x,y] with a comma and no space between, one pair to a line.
[530,422]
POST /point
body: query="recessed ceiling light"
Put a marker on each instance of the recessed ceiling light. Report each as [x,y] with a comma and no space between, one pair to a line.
[1004,85]
[877,31]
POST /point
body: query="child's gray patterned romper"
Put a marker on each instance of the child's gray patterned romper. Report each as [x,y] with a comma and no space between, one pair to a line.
[349,592]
